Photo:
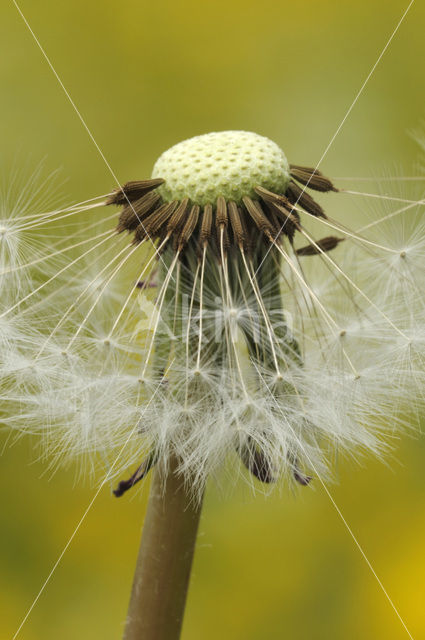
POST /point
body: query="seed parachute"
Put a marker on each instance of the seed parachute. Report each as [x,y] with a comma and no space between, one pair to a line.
[259,328]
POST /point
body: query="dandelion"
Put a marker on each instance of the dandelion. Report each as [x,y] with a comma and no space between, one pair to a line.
[259,330]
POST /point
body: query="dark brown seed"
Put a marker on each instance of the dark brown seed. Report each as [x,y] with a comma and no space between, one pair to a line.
[236,224]
[259,217]
[205,232]
[152,224]
[159,217]
[285,214]
[269,196]
[323,245]
[313,178]
[289,220]
[257,463]
[307,169]
[140,473]
[177,219]
[249,233]
[279,206]
[189,226]
[133,190]
[132,214]
[297,196]
[226,239]
[277,226]
[221,218]
[300,477]
[140,234]
[222,240]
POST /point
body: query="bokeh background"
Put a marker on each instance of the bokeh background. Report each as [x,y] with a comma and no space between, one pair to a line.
[146,75]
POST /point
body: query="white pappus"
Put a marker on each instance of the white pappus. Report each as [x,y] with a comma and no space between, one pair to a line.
[226,315]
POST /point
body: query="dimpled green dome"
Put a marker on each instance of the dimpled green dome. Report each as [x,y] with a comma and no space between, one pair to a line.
[227,163]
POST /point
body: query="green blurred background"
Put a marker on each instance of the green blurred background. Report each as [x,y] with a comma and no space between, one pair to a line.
[146,75]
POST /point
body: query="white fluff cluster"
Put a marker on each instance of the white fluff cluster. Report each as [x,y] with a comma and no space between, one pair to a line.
[110,353]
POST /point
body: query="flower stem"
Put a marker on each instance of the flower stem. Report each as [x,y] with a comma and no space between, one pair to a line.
[164,562]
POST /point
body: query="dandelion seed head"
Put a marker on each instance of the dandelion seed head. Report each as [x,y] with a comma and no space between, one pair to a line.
[212,323]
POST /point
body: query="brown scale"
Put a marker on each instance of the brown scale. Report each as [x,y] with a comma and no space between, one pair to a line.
[273,215]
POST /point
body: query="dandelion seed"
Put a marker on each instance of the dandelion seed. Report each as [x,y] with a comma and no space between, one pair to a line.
[241,336]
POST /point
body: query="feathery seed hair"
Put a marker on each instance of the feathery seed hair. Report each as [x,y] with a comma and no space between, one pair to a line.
[241,335]
[222,208]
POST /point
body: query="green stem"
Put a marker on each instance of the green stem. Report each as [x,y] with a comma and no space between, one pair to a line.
[164,563]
